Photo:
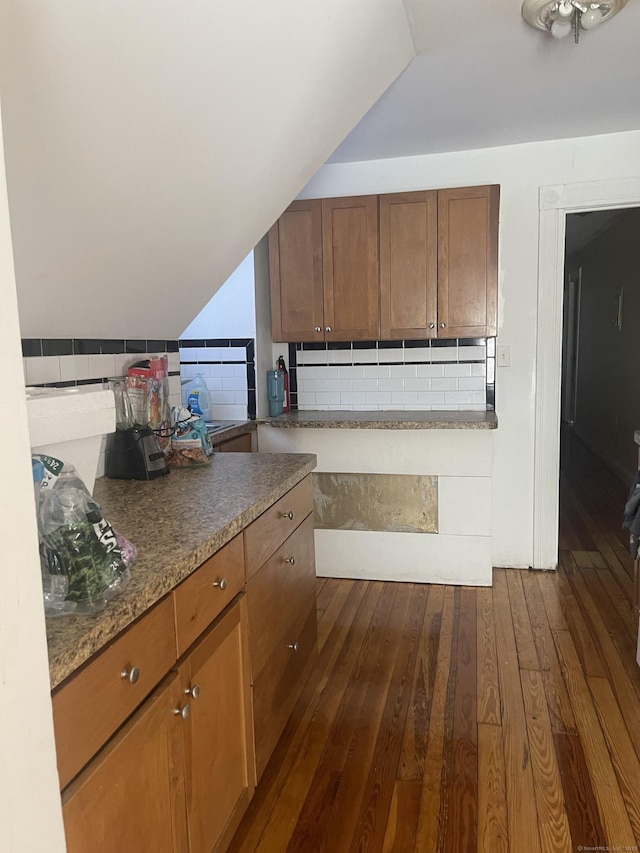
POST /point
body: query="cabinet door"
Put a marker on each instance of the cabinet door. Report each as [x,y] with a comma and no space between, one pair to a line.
[295,270]
[131,797]
[219,757]
[467,261]
[350,268]
[408,265]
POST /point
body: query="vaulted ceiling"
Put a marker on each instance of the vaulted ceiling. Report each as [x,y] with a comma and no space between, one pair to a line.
[150,144]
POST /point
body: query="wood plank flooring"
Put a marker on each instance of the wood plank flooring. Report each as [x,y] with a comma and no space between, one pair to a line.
[463,719]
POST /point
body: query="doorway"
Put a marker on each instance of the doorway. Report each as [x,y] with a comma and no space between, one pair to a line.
[555,203]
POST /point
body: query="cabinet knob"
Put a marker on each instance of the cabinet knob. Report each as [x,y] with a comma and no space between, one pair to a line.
[432,325]
[317,329]
[327,328]
[442,325]
[182,712]
[194,691]
[132,675]
[290,560]
[293,646]
[221,584]
[288,515]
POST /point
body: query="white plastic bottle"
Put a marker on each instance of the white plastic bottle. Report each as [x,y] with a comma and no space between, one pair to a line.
[198,398]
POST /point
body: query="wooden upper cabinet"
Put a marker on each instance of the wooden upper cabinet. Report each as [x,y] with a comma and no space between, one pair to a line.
[295,268]
[467,261]
[350,268]
[408,265]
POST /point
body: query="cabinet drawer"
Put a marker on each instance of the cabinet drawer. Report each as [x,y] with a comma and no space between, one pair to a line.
[89,707]
[270,530]
[277,687]
[206,592]
[278,592]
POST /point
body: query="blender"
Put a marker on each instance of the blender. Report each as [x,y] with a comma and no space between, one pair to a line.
[133,452]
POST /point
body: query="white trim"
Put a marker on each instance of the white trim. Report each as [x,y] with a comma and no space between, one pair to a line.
[555,202]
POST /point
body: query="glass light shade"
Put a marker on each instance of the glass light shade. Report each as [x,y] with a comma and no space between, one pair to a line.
[590,19]
[560,29]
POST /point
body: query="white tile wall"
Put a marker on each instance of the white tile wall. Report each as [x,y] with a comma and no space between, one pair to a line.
[40,370]
[227,383]
[425,379]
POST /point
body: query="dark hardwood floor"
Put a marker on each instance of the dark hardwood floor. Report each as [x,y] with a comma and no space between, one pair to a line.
[471,719]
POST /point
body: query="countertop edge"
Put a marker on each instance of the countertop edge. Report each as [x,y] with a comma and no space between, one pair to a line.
[91,634]
[384,420]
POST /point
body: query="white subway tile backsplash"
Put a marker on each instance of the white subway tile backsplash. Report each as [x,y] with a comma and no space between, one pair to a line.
[41,369]
[422,354]
[73,367]
[377,372]
[214,383]
[440,354]
[444,384]
[101,365]
[234,383]
[328,397]
[403,371]
[432,371]
[457,397]
[378,397]
[350,372]
[404,399]
[475,383]
[189,354]
[173,360]
[426,377]
[457,370]
[229,412]
[340,356]
[366,385]
[390,384]
[352,398]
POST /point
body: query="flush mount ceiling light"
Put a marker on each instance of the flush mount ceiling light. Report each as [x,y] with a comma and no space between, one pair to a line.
[561,17]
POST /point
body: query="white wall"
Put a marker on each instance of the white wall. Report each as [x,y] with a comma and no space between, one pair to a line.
[150,145]
[231,312]
[520,170]
[30,813]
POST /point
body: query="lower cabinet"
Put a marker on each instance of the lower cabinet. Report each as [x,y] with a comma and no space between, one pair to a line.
[180,774]
[131,797]
[218,732]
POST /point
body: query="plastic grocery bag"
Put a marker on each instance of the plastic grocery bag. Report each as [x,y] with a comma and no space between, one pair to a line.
[84,561]
[190,442]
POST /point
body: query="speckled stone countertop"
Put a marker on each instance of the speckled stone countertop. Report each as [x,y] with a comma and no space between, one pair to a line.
[385,420]
[231,429]
[176,523]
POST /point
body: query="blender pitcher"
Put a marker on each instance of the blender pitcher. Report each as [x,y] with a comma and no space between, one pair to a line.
[124,410]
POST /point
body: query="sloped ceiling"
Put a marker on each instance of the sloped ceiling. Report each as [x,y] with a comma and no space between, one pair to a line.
[151,143]
[483,77]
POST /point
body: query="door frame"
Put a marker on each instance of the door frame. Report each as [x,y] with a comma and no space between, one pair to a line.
[554,203]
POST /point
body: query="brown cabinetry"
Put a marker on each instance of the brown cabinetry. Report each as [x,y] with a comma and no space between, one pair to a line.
[324,270]
[282,613]
[155,735]
[468,261]
[403,265]
[219,768]
[131,797]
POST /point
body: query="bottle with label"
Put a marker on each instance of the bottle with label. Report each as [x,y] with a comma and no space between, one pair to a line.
[198,399]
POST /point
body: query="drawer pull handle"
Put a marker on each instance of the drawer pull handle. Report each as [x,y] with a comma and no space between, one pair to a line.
[290,560]
[194,691]
[221,584]
[182,712]
[132,675]
[293,646]
[288,515]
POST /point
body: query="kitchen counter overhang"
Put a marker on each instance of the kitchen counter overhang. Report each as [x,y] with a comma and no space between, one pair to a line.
[176,523]
[384,420]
